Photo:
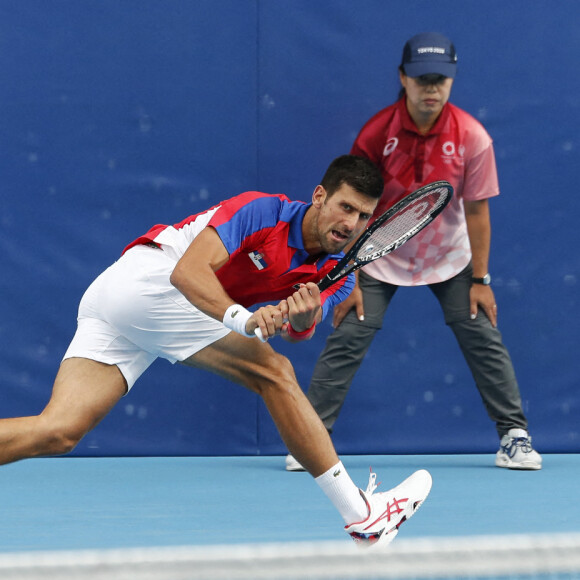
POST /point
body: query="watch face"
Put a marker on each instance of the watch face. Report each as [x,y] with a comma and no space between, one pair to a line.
[487,279]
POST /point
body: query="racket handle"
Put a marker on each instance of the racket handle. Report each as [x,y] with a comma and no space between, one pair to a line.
[259,334]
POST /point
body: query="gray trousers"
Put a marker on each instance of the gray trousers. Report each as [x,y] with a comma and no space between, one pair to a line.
[481,344]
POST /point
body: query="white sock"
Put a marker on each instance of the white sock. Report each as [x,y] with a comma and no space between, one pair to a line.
[343,493]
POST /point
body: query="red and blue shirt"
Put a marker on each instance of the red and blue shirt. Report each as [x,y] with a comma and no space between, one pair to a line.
[263,236]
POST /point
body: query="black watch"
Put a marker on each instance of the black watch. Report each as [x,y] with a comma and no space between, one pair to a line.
[486,280]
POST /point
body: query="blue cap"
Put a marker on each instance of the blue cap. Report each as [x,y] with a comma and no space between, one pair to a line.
[429,53]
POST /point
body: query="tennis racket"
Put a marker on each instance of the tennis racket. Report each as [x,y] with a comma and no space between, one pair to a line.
[392,229]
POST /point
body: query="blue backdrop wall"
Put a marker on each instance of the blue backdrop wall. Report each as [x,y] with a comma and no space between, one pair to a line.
[119,115]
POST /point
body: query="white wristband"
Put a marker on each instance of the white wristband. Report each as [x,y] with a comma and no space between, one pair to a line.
[235,319]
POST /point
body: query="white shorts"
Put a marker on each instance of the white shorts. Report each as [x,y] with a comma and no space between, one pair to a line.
[132,314]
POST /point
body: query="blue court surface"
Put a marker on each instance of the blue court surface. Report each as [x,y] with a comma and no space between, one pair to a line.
[102,503]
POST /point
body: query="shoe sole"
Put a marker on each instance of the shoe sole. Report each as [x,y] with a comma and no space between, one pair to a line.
[292,468]
[293,465]
[519,466]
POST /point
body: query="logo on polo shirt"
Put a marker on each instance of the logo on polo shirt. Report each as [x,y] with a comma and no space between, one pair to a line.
[390,146]
[258,260]
[452,153]
[449,148]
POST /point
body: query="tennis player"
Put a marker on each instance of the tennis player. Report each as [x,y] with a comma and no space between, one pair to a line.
[181,293]
[419,139]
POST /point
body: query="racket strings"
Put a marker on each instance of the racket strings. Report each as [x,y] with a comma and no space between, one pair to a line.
[402,225]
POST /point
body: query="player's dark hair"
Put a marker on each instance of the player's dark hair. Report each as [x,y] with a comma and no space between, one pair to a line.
[357,172]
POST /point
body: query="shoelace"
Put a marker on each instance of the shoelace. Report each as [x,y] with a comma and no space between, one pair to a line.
[524,443]
[371,486]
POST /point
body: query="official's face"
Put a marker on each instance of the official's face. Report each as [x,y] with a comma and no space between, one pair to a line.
[427,94]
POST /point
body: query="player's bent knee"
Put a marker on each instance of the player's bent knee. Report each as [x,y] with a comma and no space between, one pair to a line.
[59,439]
[277,374]
[62,443]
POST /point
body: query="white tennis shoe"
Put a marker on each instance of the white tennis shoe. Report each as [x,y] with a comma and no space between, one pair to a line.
[516,451]
[292,464]
[389,509]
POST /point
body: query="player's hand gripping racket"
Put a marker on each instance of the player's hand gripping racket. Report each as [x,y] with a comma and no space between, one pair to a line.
[391,230]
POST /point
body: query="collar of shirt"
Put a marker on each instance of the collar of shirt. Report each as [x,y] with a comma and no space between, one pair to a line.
[295,220]
[409,125]
[295,239]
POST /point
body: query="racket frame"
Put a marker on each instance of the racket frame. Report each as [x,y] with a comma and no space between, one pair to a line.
[351,262]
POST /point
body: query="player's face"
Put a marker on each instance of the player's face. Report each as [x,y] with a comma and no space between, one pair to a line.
[426,95]
[342,216]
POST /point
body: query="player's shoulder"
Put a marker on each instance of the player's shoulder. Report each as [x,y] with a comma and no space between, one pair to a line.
[256,200]
[253,211]
[255,206]
[249,196]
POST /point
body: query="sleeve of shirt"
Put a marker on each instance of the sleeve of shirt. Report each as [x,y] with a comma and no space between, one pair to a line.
[481,180]
[244,216]
[336,294]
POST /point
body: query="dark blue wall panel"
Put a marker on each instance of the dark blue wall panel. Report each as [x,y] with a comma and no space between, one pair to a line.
[118,115]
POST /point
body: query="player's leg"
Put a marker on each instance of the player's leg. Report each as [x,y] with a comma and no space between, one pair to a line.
[84,392]
[255,365]
[260,368]
[345,350]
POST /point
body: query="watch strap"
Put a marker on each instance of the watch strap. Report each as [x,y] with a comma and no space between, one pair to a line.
[486,280]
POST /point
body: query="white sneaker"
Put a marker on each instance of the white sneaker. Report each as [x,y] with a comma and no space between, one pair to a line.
[292,464]
[389,509]
[516,452]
